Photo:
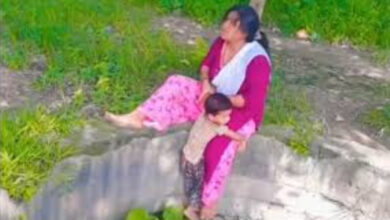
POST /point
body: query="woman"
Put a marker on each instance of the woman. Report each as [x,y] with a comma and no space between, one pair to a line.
[238,66]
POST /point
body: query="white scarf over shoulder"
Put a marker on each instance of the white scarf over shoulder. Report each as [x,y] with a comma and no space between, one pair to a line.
[232,75]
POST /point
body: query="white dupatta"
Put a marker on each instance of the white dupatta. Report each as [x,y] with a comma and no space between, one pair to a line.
[232,75]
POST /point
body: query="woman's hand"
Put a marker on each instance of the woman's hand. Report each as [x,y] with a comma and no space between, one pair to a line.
[207,90]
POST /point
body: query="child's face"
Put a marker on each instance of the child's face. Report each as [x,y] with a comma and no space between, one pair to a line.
[223,117]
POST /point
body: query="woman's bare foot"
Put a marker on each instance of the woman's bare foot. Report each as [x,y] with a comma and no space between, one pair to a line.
[108,116]
[191,214]
[128,120]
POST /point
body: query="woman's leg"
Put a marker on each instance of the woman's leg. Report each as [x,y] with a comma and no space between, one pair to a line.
[219,158]
[134,119]
[174,102]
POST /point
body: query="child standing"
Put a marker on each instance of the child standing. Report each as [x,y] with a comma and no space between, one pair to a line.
[212,123]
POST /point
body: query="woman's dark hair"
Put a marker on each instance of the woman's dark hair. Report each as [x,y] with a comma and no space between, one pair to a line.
[217,102]
[249,24]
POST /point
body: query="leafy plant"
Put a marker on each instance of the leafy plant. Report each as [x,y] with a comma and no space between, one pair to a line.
[173,213]
[139,214]
[169,213]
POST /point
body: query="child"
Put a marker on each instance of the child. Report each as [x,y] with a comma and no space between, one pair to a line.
[212,123]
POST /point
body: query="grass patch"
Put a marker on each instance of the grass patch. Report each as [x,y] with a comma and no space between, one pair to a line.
[378,118]
[382,90]
[382,56]
[363,23]
[169,213]
[291,107]
[30,147]
[110,45]
[206,12]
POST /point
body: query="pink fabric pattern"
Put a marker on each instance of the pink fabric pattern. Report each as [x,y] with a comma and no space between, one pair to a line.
[173,103]
[213,189]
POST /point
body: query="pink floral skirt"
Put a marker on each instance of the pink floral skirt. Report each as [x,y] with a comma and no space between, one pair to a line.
[175,102]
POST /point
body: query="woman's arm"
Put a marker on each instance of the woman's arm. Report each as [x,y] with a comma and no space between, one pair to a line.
[207,88]
[204,72]
[206,84]
[210,59]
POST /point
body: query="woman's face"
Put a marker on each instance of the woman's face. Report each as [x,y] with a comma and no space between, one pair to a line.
[230,28]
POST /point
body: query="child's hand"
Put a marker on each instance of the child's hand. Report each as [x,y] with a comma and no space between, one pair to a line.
[242,146]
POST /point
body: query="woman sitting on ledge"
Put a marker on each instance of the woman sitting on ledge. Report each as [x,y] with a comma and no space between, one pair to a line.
[238,65]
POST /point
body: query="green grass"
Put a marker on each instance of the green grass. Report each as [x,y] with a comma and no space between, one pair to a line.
[169,213]
[204,11]
[107,48]
[30,147]
[109,45]
[364,23]
[110,50]
[291,107]
[382,90]
[378,118]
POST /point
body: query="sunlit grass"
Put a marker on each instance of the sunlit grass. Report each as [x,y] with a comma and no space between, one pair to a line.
[378,118]
[364,23]
[110,45]
[291,107]
[30,148]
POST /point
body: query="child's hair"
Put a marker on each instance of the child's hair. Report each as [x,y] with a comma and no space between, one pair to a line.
[217,102]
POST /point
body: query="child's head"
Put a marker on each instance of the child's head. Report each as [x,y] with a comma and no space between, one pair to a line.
[218,108]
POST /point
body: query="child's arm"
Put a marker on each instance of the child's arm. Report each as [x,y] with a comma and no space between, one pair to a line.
[234,135]
[239,138]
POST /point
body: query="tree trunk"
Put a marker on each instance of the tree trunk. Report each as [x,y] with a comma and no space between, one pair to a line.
[258,5]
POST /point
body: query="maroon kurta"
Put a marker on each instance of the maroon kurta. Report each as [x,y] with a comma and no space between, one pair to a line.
[254,90]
